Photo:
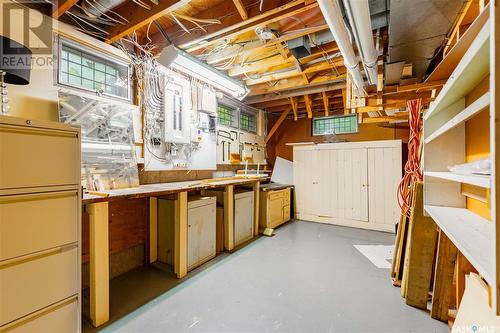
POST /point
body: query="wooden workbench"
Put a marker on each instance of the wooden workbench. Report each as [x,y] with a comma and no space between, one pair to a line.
[97,208]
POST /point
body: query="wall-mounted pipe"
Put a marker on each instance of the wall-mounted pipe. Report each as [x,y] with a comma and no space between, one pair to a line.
[358,12]
[331,13]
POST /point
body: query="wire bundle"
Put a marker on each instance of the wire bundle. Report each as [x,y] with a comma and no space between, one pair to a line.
[412,169]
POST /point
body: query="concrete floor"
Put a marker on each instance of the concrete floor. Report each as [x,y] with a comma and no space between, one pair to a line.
[307,278]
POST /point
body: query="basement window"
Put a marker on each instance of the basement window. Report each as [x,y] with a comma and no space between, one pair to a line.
[227,116]
[248,122]
[335,125]
[90,70]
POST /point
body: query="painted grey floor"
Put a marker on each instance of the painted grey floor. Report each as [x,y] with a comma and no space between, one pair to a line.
[307,278]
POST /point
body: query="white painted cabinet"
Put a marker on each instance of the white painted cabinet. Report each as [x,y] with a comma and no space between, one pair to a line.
[352,184]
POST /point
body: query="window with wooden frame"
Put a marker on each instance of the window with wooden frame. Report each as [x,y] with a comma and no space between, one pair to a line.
[82,68]
[344,124]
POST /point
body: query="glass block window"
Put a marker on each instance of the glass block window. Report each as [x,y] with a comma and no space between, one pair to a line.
[248,122]
[227,116]
[335,125]
[84,69]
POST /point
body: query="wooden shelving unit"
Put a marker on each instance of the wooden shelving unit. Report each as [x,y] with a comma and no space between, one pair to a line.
[447,143]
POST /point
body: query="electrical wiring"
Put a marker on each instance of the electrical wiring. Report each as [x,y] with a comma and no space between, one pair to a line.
[413,172]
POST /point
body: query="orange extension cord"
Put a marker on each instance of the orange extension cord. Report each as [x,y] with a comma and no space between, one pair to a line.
[412,166]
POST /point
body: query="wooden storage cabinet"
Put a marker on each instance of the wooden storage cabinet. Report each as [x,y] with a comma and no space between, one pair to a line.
[40,212]
[352,184]
[201,236]
[275,208]
[243,216]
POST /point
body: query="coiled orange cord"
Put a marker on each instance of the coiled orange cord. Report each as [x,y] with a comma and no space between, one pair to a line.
[412,166]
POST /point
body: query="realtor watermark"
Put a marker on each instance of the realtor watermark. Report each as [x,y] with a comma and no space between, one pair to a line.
[476,329]
[26,28]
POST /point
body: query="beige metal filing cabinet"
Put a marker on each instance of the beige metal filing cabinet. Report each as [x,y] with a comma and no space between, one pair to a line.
[243,213]
[40,212]
[275,207]
[201,230]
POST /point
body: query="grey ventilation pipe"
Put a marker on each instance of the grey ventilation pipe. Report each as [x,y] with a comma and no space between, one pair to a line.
[358,12]
[331,13]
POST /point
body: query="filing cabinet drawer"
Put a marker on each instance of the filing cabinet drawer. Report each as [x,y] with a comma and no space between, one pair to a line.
[35,222]
[35,157]
[61,319]
[274,195]
[30,285]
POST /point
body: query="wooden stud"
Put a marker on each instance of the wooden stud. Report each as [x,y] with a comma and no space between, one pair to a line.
[277,124]
[153,229]
[422,246]
[325,102]
[294,93]
[443,278]
[63,7]
[139,17]
[241,9]
[307,100]
[99,262]
[294,108]
[229,218]
[256,200]
[180,231]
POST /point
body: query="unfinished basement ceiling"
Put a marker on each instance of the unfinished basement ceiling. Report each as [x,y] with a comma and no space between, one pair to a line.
[417,28]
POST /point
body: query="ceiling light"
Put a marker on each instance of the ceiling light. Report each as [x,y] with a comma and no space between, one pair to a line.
[184,62]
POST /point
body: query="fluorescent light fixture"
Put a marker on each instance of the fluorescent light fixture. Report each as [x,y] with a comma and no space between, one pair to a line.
[184,62]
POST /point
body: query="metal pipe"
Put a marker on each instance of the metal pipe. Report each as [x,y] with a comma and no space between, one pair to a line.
[358,12]
[332,14]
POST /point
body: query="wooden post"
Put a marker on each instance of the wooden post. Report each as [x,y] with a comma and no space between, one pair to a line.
[443,278]
[229,218]
[153,229]
[99,262]
[422,236]
[325,102]
[256,192]
[180,231]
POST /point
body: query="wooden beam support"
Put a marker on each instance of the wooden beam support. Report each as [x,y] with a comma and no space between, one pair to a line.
[63,7]
[325,102]
[294,108]
[294,93]
[180,234]
[229,218]
[139,17]
[443,278]
[99,262]
[295,84]
[256,203]
[241,9]
[153,229]
[277,124]
[308,102]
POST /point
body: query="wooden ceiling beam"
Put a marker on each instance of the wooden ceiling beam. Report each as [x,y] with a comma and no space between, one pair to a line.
[307,100]
[318,67]
[325,102]
[332,95]
[62,7]
[139,17]
[258,47]
[294,108]
[241,9]
[295,84]
[294,92]
[302,106]
[231,31]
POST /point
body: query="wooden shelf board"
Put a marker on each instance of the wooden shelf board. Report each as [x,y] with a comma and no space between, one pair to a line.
[446,66]
[470,233]
[480,104]
[471,70]
[477,180]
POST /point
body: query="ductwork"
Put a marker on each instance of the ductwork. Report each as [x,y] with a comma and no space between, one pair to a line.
[96,8]
[332,14]
[358,12]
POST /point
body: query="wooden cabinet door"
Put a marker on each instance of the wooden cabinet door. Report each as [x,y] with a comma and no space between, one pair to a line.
[195,224]
[352,184]
[303,181]
[207,233]
[275,208]
[243,219]
[322,187]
